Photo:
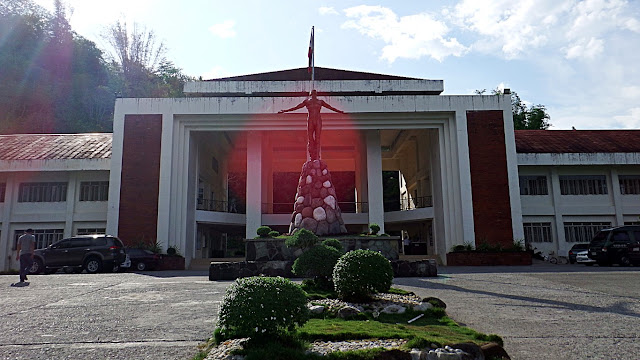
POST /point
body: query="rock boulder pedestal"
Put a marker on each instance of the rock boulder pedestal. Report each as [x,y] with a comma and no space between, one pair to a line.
[316,205]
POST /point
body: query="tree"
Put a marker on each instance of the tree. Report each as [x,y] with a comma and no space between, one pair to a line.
[533,117]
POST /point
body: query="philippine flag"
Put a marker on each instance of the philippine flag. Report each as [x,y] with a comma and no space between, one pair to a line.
[310,54]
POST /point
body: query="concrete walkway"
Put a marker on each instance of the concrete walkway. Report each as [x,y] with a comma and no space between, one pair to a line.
[545,311]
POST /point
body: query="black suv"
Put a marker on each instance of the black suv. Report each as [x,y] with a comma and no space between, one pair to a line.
[616,246]
[90,252]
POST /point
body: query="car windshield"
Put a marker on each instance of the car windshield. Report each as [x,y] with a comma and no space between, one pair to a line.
[600,238]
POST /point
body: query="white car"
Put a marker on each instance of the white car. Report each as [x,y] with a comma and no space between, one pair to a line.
[583,258]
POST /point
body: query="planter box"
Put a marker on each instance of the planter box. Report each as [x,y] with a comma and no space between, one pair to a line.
[171,263]
[477,258]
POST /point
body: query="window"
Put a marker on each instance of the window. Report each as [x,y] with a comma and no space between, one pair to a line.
[583,231]
[537,232]
[583,185]
[91,231]
[44,237]
[94,191]
[533,185]
[43,192]
[3,190]
[629,184]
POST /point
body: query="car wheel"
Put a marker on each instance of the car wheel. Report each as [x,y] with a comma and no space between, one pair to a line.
[141,266]
[37,267]
[624,261]
[93,265]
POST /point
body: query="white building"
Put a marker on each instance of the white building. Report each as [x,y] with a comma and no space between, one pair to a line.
[202,172]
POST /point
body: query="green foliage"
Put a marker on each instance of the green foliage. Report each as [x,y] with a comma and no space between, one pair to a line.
[173,251]
[467,246]
[374,228]
[262,306]
[334,243]
[361,273]
[486,247]
[263,231]
[274,234]
[317,291]
[317,262]
[399,291]
[303,239]
[518,245]
[534,117]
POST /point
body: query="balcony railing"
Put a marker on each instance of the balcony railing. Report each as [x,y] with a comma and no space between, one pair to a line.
[408,204]
[287,208]
[221,206]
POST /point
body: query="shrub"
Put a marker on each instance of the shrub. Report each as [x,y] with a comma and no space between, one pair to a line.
[303,239]
[172,251]
[263,231]
[262,306]
[334,243]
[374,228]
[317,263]
[274,234]
[361,273]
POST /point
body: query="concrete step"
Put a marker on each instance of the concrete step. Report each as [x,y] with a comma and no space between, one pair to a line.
[203,264]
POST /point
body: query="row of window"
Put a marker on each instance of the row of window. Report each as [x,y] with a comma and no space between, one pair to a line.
[579,185]
[46,237]
[540,232]
[57,191]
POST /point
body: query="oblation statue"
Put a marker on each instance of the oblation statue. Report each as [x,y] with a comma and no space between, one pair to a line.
[314,121]
[316,205]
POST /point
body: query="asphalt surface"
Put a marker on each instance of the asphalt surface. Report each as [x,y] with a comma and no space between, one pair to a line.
[542,312]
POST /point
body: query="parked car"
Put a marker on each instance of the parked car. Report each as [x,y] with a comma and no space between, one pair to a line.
[611,246]
[575,249]
[141,259]
[93,253]
[582,257]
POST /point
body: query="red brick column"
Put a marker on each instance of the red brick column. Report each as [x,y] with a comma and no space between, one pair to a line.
[489,178]
[139,184]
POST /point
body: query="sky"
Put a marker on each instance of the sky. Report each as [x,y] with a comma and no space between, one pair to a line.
[580,59]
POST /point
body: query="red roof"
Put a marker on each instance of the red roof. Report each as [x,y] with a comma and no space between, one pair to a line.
[302,74]
[55,146]
[577,141]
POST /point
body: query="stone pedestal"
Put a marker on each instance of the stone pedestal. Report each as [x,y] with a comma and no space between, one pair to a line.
[316,206]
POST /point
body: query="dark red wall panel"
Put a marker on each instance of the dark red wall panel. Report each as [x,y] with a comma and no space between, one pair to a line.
[489,178]
[140,176]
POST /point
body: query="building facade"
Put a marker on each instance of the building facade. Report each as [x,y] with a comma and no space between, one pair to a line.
[203,172]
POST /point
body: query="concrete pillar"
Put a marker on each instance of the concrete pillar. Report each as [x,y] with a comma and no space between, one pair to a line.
[254,183]
[557,206]
[72,190]
[617,197]
[374,178]
[6,253]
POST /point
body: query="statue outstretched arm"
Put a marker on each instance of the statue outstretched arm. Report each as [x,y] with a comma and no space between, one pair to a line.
[299,106]
[332,108]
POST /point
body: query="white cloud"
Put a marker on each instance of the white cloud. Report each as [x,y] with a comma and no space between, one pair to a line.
[324,10]
[224,29]
[411,36]
[517,28]
[630,121]
[584,50]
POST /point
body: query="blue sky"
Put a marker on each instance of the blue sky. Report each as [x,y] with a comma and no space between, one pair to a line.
[578,58]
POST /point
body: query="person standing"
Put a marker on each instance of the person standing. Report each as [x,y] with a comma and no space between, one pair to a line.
[26,246]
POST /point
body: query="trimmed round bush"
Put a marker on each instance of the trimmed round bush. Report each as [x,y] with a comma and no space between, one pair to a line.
[263,231]
[374,228]
[274,234]
[262,306]
[303,239]
[359,274]
[334,243]
[317,262]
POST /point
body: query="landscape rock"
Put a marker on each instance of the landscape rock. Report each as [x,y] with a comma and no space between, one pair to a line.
[316,309]
[394,309]
[347,311]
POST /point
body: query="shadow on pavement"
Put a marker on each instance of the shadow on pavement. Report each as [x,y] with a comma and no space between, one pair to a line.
[620,307]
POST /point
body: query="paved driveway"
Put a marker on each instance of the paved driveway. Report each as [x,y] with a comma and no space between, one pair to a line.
[542,312]
[545,311]
[107,316]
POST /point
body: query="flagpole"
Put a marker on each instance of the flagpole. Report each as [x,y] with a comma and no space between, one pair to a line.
[313,66]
